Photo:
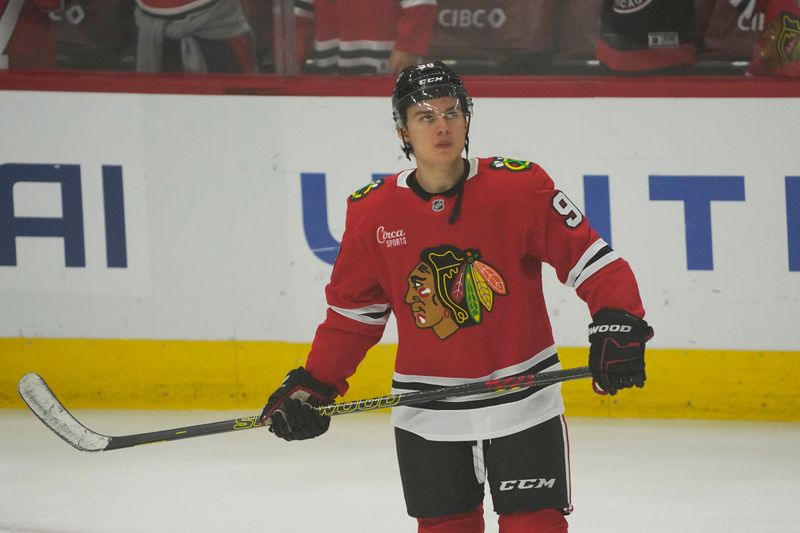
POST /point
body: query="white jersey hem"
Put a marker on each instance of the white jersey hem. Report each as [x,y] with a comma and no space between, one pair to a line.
[496,434]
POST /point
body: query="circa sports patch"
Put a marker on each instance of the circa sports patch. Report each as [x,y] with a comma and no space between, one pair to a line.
[514,165]
[365,190]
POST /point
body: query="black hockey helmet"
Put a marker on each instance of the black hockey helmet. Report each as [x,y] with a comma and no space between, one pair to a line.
[418,83]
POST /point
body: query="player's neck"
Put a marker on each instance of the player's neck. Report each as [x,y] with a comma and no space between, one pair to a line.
[435,178]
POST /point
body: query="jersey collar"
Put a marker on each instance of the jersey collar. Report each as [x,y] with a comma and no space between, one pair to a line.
[407,180]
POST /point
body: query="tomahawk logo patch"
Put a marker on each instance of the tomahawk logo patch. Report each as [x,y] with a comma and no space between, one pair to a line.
[514,165]
[364,191]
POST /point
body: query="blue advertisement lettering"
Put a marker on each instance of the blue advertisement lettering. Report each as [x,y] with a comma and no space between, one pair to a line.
[598,204]
[315,215]
[793,221]
[697,193]
[69,226]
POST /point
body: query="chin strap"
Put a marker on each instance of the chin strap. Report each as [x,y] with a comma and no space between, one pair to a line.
[407,149]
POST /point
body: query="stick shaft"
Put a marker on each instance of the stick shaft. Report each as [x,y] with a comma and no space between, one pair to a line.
[46,406]
[542,379]
[200,430]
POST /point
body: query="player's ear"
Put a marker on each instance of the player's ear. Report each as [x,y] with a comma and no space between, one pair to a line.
[402,134]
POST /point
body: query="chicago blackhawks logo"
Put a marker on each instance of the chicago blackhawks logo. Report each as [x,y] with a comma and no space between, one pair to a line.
[781,41]
[452,288]
[514,165]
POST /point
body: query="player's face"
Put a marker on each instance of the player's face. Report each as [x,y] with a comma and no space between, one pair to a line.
[421,296]
[436,129]
[426,306]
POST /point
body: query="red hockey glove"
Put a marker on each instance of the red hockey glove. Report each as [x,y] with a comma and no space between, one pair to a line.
[290,408]
[616,354]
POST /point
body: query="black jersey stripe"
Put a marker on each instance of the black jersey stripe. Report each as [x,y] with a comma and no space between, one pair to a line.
[605,250]
[378,314]
[478,404]
[417,386]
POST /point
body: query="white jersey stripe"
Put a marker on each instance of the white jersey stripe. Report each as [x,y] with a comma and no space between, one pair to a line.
[362,314]
[565,433]
[170,11]
[382,46]
[323,46]
[354,62]
[405,4]
[594,267]
[486,422]
[489,422]
[590,252]
[354,46]
[478,462]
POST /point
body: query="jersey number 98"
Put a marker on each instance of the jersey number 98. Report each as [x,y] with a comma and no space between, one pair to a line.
[564,207]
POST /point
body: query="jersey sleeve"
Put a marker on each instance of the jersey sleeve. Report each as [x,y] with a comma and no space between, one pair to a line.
[415,27]
[304,30]
[357,312]
[562,237]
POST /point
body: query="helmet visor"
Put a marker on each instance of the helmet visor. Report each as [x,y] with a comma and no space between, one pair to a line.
[431,92]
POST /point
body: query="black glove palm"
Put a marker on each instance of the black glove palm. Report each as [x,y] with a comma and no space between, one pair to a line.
[290,409]
[616,354]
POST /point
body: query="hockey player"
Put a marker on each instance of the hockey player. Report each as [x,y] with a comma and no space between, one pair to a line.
[455,249]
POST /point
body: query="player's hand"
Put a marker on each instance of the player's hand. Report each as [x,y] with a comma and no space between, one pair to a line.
[289,409]
[616,354]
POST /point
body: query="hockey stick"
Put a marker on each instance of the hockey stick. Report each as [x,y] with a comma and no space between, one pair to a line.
[47,407]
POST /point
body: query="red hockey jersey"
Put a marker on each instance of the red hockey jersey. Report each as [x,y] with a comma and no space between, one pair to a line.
[358,36]
[728,29]
[467,296]
[26,40]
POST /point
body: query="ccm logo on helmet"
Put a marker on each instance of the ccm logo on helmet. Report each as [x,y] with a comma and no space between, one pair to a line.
[431,80]
[526,484]
[620,328]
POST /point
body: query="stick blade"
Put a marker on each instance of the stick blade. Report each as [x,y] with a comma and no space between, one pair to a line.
[44,404]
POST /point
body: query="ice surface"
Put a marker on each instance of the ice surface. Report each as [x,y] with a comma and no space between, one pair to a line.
[627,476]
